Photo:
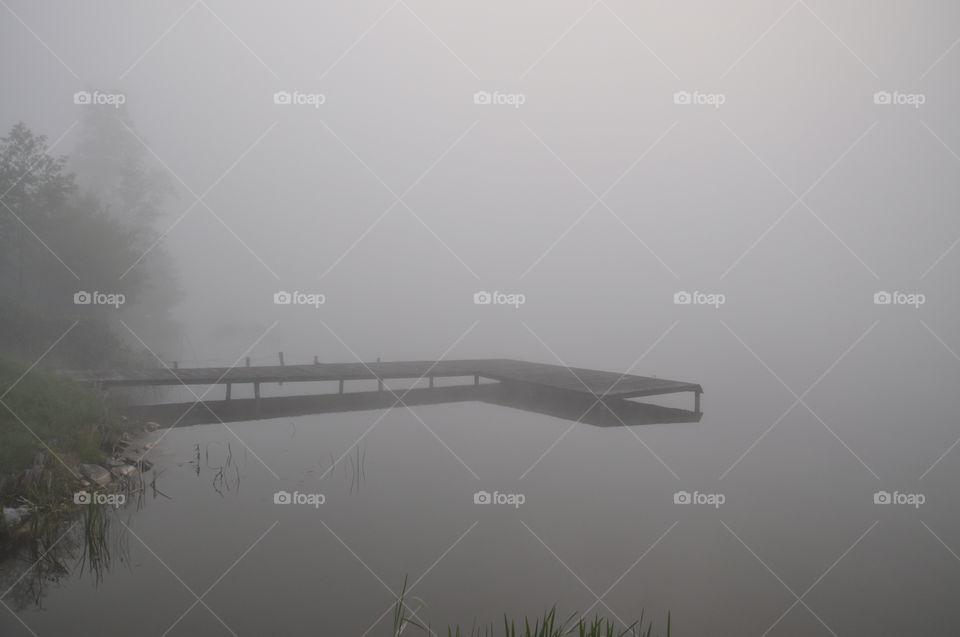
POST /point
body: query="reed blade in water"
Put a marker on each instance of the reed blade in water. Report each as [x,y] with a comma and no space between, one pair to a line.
[544,626]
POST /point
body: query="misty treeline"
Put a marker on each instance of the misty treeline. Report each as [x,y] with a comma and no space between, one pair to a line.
[82,224]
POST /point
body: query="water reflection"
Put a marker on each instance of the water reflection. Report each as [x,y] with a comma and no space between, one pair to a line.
[88,540]
[355,468]
[88,544]
[574,406]
[608,412]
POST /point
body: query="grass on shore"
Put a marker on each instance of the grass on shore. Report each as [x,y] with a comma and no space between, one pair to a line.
[61,421]
[40,411]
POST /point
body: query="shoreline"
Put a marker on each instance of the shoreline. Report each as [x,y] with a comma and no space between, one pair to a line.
[46,492]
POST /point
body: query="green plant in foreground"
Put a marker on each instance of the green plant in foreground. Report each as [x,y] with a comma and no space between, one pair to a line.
[545,626]
[400,619]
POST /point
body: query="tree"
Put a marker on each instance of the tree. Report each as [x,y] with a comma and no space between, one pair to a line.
[111,162]
[60,235]
[34,188]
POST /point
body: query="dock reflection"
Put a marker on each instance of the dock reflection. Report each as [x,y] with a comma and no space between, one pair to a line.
[579,407]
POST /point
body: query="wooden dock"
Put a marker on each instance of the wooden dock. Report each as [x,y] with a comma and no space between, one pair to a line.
[539,378]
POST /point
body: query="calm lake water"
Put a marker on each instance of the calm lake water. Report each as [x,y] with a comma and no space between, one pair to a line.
[598,518]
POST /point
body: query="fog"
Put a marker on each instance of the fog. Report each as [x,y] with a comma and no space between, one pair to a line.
[792,191]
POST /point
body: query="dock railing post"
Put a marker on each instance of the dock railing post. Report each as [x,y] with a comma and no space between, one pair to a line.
[476,379]
[248,361]
[341,385]
[379,380]
[229,385]
[696,402]
[256,395]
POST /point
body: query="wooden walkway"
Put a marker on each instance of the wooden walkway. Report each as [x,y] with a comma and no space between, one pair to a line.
[533,376]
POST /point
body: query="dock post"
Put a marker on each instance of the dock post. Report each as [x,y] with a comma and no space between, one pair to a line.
[176,364]
[476,379]
[248,361]
[379,380]
[229,386]
[281,359]
[696,402]
[431,382]
[315,361]
[341,385]
[256,393]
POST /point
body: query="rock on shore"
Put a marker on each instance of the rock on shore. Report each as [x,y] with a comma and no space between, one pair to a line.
[95,474]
